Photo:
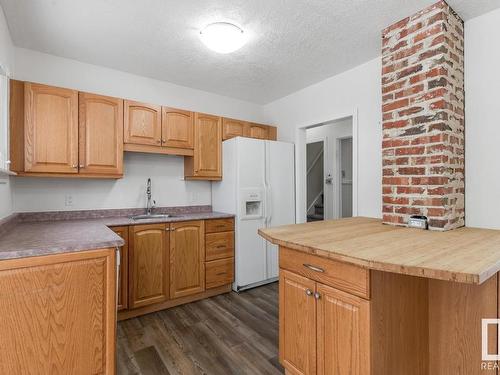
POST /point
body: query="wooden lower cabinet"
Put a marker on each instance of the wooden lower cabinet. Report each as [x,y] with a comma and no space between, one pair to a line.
[168,266]
[148,264]
[219,272]
[343,333]
[187,258]
[297,324]
[58,314]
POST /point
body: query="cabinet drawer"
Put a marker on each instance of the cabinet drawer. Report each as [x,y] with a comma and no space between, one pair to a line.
[219,272]
[219,225]
[219,245]
[346,277]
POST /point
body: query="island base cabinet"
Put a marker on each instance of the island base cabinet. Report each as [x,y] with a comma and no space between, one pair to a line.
[322,330]
[297,324]
[58,314]
[343,333]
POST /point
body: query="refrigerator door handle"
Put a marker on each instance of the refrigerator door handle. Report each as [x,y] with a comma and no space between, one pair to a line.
[269,205]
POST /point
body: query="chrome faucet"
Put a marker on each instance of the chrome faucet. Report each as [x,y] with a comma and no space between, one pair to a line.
[149,205]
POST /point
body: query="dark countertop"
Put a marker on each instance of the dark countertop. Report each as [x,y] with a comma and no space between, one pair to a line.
[36,238]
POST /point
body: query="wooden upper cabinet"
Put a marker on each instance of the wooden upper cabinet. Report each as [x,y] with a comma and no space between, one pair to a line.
[234,128]
[187,258]
[177,128]
[148,264]
[297,319]
[142,123]
[50,129]
[101,134]
[343,333]
[258,131]
[123,270]
[207,160]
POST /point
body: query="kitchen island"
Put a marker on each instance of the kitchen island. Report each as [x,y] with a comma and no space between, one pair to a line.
[360,297]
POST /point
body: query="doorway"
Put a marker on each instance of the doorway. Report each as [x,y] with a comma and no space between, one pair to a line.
[329,162]
[315,178]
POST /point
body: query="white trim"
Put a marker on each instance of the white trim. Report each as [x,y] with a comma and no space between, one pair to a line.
[338,180]
[301,166]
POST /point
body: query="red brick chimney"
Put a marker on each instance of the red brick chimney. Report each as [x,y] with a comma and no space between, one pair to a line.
[423,118]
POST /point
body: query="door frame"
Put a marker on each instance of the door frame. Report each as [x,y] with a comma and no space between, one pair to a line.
[338,179]
[325,169]
[301,165]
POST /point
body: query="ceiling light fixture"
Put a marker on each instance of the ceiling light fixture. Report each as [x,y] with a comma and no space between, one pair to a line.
[223,37]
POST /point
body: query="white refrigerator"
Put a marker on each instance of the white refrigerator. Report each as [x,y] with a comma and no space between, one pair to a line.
[258,187]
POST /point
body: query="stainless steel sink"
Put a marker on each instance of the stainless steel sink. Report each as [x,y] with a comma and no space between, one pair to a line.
[150,216]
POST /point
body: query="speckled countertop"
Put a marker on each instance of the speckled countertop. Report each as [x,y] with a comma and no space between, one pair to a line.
[37,234]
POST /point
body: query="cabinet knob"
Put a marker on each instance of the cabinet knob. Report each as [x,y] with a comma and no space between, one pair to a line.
[163,141]
[82,166]
[74,166]
[309,292]
[167,229]
[317,295]
[158,141]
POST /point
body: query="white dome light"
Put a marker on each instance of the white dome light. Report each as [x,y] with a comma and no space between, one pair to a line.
[223,37]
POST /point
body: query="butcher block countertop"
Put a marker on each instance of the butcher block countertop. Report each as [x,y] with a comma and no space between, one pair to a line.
[466,255]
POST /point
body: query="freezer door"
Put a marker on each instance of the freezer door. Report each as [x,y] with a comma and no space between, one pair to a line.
[280,205]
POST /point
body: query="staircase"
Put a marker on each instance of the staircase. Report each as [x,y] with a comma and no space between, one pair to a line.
[318,214]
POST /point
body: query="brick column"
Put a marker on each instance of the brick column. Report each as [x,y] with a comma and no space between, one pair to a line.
[423,118]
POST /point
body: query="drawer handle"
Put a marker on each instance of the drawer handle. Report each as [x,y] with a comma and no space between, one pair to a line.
[309,292]
[220,274]
[314,268]
[221,246]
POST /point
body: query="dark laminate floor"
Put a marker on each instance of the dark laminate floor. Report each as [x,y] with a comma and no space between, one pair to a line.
[227,334]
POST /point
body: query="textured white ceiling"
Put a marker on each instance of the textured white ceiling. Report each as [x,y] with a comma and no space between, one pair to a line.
[292,43]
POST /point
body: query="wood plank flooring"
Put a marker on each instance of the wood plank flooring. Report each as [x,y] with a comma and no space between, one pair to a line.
[227,334]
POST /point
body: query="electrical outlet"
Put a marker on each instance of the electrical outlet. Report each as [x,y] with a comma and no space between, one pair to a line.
[194,197]
[68,200]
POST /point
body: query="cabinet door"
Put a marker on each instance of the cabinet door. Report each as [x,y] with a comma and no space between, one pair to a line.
[148,264]
[343,333]
[101,134]
[51,129]
[259,131]
[297,324]
[122,291]
[234,128]
[177,128]
[208,146]
[142,124]
[58,314]
[187,258]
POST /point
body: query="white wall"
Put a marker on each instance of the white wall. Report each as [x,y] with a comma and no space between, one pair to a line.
[482,121]
[357,91]
[33,194]
[6,56]
[168,186]
[331,132]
